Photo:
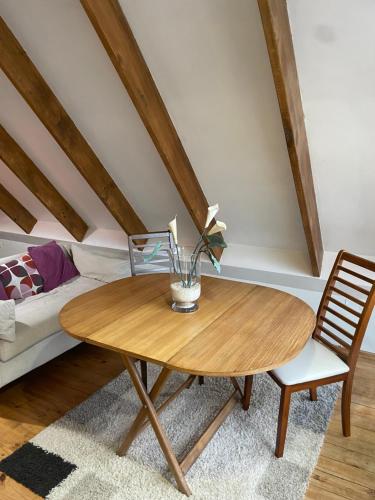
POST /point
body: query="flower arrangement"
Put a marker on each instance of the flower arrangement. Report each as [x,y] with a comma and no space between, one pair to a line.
[209,239]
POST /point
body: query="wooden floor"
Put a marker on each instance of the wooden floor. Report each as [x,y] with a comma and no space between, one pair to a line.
[346,467]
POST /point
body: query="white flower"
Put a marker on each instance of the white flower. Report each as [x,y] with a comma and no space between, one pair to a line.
[211,212]
[217,228]
[172,226]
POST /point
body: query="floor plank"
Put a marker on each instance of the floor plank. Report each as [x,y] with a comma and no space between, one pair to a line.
[11,490]
[354,458]
[346,467]
[361,440]
[346,488]
[360,416]
[346,471]
[317,492]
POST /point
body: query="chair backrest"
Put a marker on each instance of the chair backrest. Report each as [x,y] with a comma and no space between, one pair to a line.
[346,306]
[149,253]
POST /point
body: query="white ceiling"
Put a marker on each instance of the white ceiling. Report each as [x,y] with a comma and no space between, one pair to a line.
[334,42]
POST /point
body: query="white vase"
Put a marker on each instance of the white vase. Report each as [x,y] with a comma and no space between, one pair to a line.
[185,280]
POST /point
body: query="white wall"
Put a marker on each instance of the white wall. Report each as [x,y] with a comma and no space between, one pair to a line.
[334,42]
[210,62]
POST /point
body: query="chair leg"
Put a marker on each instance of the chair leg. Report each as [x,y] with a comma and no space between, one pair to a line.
[346,400]
[201,380]
[283,420]
[314,394]
[144,373]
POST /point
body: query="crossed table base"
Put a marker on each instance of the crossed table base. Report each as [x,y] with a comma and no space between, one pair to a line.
[149,415]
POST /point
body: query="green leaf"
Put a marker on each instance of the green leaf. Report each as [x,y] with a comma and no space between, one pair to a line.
[214,262]
[216,240]
[150,256]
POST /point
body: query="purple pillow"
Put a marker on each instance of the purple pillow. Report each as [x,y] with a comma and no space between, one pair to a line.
[3,294]
[53,265]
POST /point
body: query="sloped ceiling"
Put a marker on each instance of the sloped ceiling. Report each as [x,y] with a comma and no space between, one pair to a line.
[210,63]
[61,42]
[334,42]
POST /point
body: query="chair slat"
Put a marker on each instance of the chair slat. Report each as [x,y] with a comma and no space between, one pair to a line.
[344,306]
[142,247]
[331,346]
[159,261]
[359,261]
[147,271]
[337,327]
[351,285]
[341,316]
[355,274]
[348,296]
[333,336]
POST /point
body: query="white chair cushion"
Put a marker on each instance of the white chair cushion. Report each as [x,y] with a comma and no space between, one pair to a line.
[314,362]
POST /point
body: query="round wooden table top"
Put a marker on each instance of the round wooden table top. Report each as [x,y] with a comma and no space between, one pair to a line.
[239,328]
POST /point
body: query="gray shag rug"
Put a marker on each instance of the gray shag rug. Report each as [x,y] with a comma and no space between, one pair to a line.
[237,464]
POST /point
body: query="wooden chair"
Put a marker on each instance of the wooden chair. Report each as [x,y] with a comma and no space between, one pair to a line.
[141,247]
[332,352]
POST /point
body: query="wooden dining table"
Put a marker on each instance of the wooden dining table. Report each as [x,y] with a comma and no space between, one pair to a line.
[240,329]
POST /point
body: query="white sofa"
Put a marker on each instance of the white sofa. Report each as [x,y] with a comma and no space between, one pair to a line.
[39,337]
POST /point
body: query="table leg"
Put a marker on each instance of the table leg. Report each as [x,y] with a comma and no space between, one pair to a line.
[142,415]
[208,434]
[184,385]
[247,392]
[144,373]
[160,434]
[236,385]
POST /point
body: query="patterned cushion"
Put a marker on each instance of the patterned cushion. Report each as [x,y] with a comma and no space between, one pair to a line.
[3,294]
[21,278]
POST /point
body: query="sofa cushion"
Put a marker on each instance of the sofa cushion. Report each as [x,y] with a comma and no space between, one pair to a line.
[53,265]
[37,317]
[101,267]
[20,277]
[3,260]
[11,257]
[7,320]
[3,294]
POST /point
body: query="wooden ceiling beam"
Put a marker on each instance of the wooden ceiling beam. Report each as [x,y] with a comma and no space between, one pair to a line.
[15,211]
[115,33]
[30,84]
[30,175]
[274,14]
